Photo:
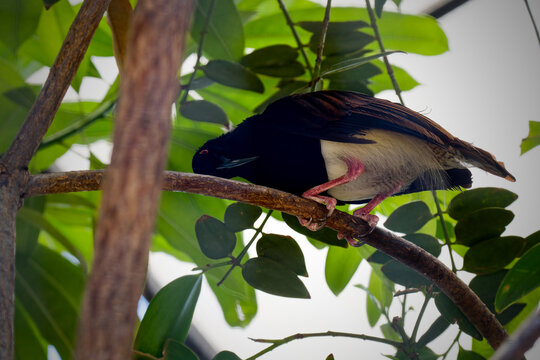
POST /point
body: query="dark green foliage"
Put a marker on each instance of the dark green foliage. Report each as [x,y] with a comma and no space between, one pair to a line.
[404,275]
[233,74]
[226,355]
[205,111]
[466,203]
[175,350]
[453,315]
[215,240]
[492,255]
[481,225]
[409,217]
[434,331]
[240,216]
[284,250]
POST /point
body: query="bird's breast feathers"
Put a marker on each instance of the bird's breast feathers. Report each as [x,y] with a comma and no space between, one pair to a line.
[391,160]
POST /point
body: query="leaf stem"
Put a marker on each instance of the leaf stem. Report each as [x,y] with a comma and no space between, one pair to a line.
[295,34]
[445,231]
[278,342]
[236,262]
[204,31]
[320,49]
[207,267]
[389,69]
[421,313]
[532,20]
[451,345]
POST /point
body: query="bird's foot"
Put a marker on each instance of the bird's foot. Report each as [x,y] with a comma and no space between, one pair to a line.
[310,224]
[330,203]
[350,239]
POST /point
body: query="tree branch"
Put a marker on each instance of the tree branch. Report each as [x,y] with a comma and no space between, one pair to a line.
[389,243]
[520,341]
[131,187]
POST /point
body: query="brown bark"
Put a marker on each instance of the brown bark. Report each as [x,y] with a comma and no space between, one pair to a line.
[132,184]
[400,249]
[14,163]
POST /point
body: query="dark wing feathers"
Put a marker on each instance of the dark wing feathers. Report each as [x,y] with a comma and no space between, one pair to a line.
[341,116]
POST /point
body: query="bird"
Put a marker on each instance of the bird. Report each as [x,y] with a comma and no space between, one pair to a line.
[341,147]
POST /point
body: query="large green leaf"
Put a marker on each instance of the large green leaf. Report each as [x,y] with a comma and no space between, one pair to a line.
[284,250]
[175,350]
[49,288]
[233,74]
[215,240]
[18,21]
[225,35]
[482,224]
[274,278]
[492,255]
[381,290]
[533,139]
[470,201]
[522,278]
[28,342]
[409,218]
[168,315]
[341,264]
[202,110]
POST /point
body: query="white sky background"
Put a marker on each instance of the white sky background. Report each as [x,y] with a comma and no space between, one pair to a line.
[484,90]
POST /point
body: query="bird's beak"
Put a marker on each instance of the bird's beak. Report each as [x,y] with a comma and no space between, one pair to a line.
[231,163]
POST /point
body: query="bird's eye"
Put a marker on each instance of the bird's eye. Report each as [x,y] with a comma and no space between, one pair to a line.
[203,152]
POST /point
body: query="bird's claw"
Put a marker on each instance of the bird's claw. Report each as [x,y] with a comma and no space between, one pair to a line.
[312,225]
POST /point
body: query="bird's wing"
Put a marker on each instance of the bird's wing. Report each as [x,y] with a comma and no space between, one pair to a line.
[346,116]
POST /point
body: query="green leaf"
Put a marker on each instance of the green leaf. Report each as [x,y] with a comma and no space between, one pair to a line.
[284,250]
[522,278]
[531,241]
[409,217]
[275,55]
[533,139]
[470,201]
[215,240]
[288,70]
[23,96]
[382,292]
[325,235]
[492,255]
[379,257]
[315,27]
[341,264]
[28,342]
[27,233]
[453,314]
[225,37]
[433,332]
[382,81]
[468,355]
[240,216]
[18,21]
[168,315]
[49,288]
[404,275]
[226,355]
[482,224]
[426,242]
[353,63]
[340,43]
[273,278]
[233,75]
[379,4]
[389,332]
[205,111]
[175,350]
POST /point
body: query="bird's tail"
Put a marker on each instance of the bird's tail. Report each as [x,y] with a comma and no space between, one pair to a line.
[481,159]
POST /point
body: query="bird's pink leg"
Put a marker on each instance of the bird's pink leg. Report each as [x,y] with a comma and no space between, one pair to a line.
[355,168]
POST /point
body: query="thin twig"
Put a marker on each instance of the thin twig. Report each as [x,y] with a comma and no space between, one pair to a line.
[532,20]
[295,35]
[445,231]
[204,31]
[278,342]
[389,69]
[320,48]
[421,314]
[445,354]
[238,259]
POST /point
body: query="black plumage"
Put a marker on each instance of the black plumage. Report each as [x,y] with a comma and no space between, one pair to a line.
[360,148]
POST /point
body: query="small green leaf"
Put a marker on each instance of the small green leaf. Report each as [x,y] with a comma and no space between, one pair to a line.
[330,357]
[436,329]
[531,241]
[233,75]
[482,224]
[287,70]
[469,201]
[275,55]
[215,240]
[240,216]
[169,315]
[175,350]
[453,314]
[409,217]
[204,111]
[226,355]
[404,275]
[533,139]
[325,235]
[340,43]
[225,36]
[382,292]
[379,4]
[273,278]
[389,332]
[315,27]
[353,63]
[341,264]
[522,278]
[426,242]
[468,355]
[492,255]
[284,250]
